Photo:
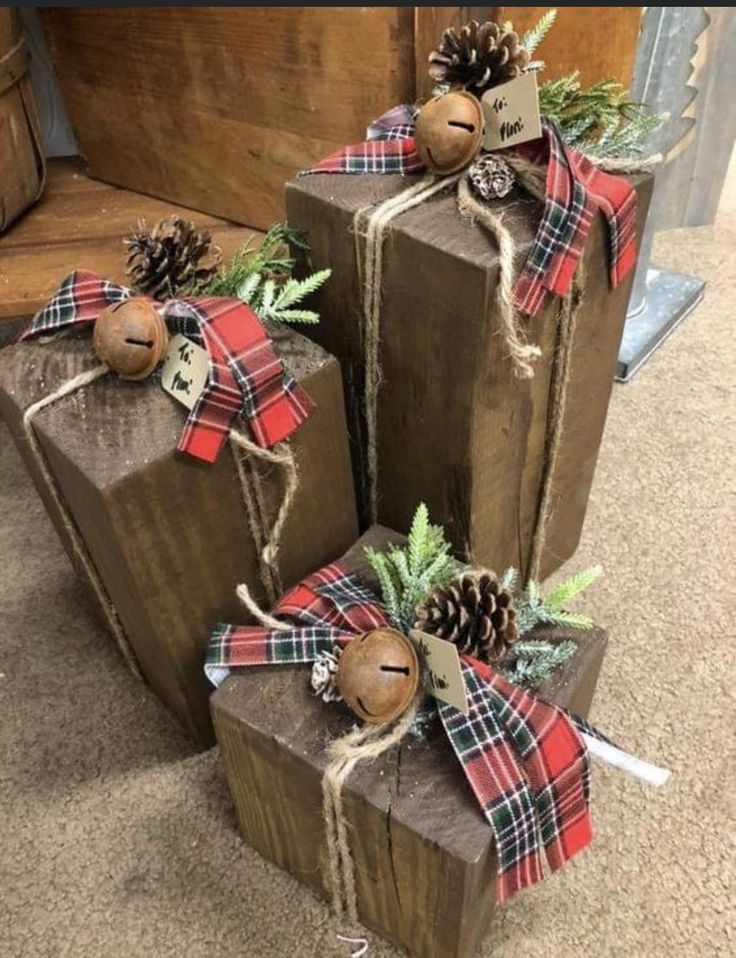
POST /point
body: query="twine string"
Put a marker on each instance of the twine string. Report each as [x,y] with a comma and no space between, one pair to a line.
[84,561]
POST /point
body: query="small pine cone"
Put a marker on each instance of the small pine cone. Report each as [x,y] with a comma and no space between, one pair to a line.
[324,676]
[491,177]
[478,57]
[475,612]
[172,259]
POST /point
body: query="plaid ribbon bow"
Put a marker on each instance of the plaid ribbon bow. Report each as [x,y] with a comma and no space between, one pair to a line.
[575,188]
[526,760]
[245,374]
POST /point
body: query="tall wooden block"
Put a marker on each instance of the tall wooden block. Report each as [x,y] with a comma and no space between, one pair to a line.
[456,428]
[424,855]
[168,534]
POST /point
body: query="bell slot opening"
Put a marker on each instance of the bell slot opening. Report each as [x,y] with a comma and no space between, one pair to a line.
[470,127]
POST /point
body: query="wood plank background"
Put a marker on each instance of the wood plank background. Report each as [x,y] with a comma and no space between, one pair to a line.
[80,222]
[600,42]
[216,108]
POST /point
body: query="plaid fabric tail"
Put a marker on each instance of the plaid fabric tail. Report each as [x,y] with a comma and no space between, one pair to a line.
[79,300]
[575,188]
[529,770]
[327,608]
[389,148]
[245,375]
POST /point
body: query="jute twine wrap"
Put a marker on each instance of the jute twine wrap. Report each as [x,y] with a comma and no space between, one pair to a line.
[373,225]
[84,561]
[267,539]
[361,744]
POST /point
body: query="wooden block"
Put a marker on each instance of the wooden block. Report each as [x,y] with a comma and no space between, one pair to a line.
[424,854]
[216,108]
[456,428]
[168,534]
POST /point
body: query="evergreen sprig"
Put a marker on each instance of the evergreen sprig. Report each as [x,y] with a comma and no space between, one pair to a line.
[600,120]
[407,573]
[533,608]
[261,277]
[534,36]
[529,664]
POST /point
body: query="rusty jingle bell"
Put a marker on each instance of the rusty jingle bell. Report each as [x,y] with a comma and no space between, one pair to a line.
[131,337]
[448,132]
[378,675]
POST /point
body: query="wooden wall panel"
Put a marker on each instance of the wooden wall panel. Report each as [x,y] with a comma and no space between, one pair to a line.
[598,41]
[216,108]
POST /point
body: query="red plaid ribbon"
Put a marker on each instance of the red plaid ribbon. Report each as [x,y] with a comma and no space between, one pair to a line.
[575,188]
[245,374]
[523,757]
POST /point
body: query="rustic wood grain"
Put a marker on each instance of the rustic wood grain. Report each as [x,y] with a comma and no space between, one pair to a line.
[80,222]
[600,42]
[22,161]
[456,428]
[216,108]
[167,533]
[424,854]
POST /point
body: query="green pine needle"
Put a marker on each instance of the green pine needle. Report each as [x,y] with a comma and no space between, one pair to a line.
[533,37]
[534,609]
[407,573]
[559,597]
[261,276]
[531,663]
[600,120]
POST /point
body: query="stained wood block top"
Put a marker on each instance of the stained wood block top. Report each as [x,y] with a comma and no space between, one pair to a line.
[112,427]
[421,782]
[80,222]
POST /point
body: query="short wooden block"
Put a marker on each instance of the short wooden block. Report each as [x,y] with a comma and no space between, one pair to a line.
[168,534]
[424,855]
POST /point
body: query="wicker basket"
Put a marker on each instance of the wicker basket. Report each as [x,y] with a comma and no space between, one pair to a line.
[22,161]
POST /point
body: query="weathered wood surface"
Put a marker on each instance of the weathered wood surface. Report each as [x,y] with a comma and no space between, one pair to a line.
[167,533]
[216,108]
[80,222]
[22,160]
[424,854]
[456,428]
[600,42]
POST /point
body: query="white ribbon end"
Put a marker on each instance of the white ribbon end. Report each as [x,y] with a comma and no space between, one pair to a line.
[651,774]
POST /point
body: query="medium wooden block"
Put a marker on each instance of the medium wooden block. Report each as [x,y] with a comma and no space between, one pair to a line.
[424,855]
[456,428]
[168,534]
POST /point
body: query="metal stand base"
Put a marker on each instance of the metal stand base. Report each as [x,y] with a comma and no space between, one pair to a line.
[669,299]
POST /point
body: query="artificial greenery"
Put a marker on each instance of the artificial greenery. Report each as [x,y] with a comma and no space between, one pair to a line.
[407,573]
[261,276]
[533,37]
[533,608]
[531,662]
[600,120]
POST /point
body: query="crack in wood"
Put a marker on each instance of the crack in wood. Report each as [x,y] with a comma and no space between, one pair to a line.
[389,833]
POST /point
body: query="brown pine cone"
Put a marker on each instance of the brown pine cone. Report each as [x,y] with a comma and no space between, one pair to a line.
[491,177]
[475,612]
[478,57]
[172,259]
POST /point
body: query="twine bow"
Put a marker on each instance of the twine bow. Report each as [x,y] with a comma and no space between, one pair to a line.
[245,375]
[525,759]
